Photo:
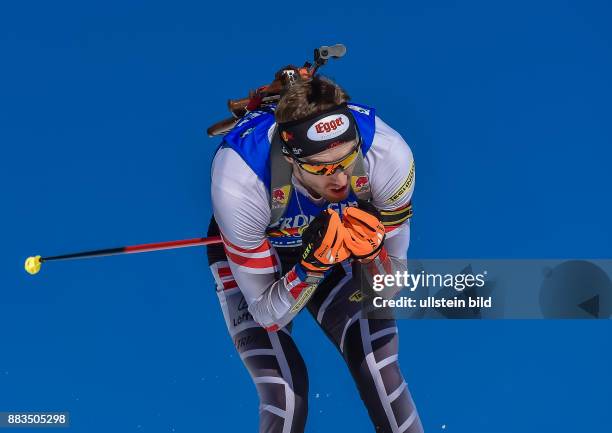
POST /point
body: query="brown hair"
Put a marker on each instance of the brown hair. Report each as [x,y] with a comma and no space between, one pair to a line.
[309,97]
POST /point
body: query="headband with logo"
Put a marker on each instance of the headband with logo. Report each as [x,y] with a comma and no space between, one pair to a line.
[319,132]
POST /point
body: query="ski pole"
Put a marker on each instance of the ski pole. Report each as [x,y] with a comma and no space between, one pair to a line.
[33,264]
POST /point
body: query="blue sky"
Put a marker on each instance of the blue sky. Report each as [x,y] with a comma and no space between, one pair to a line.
[103,107]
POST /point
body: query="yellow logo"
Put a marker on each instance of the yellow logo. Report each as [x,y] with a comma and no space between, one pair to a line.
[303,298]
[356,297]
[306,251]
[404,187]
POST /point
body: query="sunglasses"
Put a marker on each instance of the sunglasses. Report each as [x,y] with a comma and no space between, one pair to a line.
[329,168]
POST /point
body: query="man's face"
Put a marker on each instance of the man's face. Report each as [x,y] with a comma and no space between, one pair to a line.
[333,188]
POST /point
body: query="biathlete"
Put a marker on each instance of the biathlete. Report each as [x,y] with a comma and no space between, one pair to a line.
[305,197]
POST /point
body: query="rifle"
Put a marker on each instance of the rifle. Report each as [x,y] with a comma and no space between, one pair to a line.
[269,94]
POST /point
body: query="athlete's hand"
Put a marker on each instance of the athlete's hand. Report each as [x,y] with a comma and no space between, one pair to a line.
[365,233]
[323,242]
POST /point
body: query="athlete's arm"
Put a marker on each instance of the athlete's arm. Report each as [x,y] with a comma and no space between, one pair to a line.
[390,164]
[241,208]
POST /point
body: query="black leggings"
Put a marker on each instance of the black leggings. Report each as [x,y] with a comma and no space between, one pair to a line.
[369,348]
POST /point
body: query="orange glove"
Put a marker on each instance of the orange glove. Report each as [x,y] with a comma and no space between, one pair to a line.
[365,233]
[323,242]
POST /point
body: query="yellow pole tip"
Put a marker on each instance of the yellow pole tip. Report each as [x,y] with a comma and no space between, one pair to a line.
[32,265]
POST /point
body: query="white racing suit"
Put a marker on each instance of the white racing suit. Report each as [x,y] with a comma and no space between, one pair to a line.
[261,289]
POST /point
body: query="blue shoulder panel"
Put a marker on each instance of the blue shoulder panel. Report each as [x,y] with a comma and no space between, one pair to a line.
[249,138]
[365,117]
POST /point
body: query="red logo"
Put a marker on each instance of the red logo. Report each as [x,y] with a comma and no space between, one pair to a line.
[332,125]
[361,182]
[286,136]
[278,195]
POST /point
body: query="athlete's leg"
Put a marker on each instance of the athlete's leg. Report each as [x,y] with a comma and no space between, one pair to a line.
[272,358]
[370,350]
